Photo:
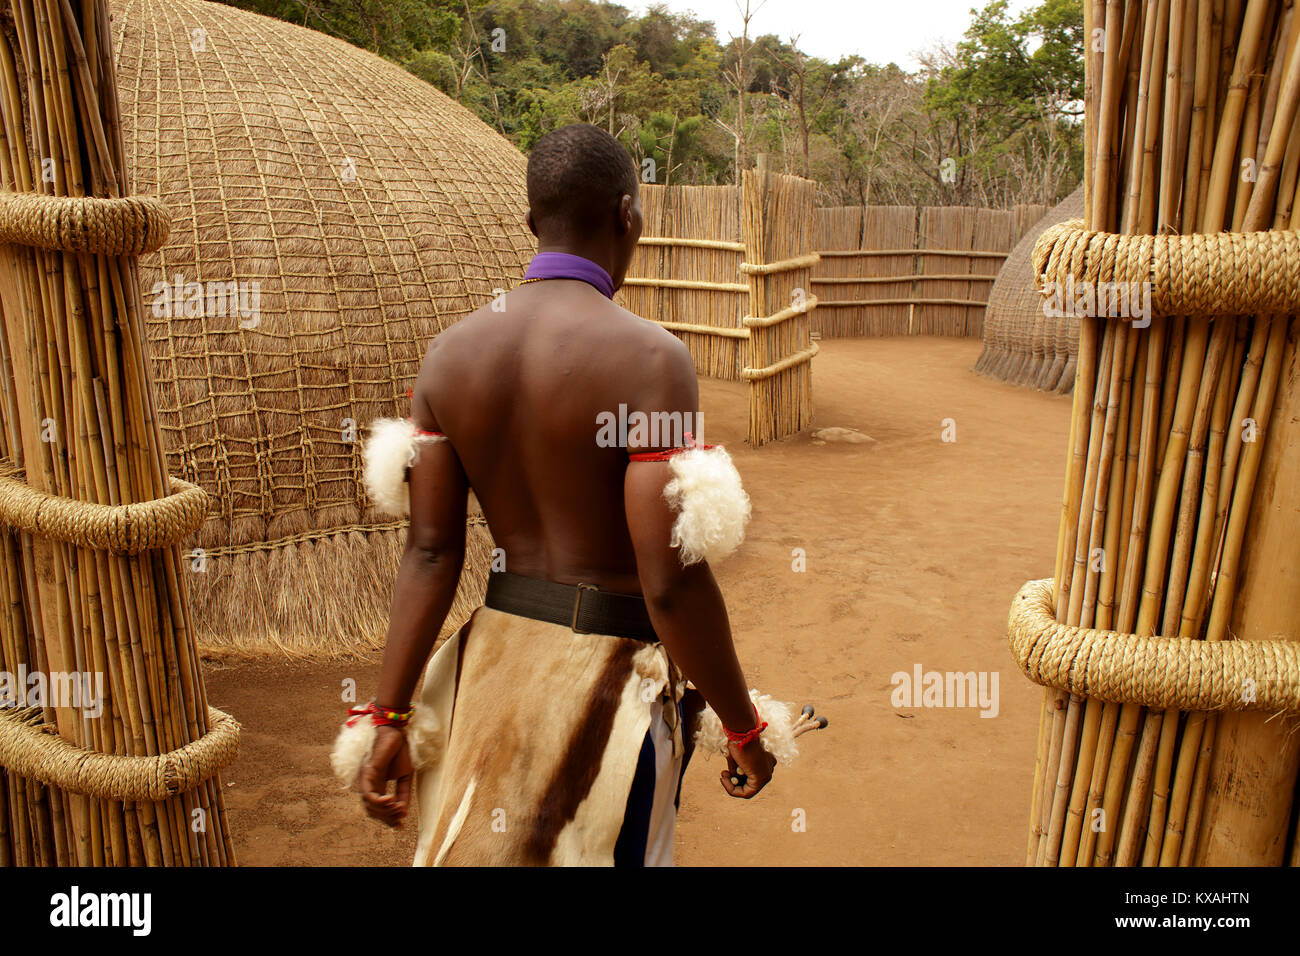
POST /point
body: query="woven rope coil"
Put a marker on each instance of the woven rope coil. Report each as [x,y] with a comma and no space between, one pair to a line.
[120,529]
[1220,274]
[27,749]
[114,227]
[1162,672]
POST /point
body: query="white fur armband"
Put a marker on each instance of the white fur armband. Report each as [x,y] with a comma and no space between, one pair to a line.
[388,453]
[711,504]
[356,741]
[778,737]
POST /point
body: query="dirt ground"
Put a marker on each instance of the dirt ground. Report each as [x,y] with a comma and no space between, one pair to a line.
[914,547]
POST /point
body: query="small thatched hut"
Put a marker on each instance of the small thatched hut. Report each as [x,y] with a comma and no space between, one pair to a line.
[1022,345]
[331,214]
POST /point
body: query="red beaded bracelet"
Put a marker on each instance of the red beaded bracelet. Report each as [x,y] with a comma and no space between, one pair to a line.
[380,716]
[741,739]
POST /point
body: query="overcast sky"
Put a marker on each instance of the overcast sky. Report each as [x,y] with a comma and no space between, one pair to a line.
[882,31]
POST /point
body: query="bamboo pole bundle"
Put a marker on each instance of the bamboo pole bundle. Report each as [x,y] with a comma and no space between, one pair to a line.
[82,427]
[33,824]
[1192,110]
[778,226]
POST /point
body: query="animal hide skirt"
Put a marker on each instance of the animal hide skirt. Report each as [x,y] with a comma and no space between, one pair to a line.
[539,746]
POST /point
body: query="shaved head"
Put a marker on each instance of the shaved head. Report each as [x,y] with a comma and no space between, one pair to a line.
[577,176]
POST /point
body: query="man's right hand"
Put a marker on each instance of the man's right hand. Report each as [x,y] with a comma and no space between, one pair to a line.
[752,765]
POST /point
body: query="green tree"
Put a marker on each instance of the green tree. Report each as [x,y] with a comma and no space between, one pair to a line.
[1004,107]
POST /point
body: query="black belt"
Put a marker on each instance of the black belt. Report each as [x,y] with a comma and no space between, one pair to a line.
[584,608]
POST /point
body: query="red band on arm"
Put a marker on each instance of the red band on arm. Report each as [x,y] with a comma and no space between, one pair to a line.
[666,453]
[653,455]
[426,434]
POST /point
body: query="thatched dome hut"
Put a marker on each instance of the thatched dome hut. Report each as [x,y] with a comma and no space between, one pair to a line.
[1023,346]
[331,214]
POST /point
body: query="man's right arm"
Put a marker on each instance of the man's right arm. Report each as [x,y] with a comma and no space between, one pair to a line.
[685,603]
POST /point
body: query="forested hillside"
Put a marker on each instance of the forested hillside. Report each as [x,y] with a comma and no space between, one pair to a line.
[991,121]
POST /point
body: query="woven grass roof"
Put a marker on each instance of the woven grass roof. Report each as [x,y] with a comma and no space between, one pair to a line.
[1022,345]
[358,211]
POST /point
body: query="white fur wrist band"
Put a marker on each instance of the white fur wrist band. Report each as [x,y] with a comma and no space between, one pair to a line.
[356,741]
[779,736]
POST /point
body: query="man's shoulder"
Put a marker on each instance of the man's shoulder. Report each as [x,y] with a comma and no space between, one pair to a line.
[659,369]
[457,334]
[651,341]
[629,346]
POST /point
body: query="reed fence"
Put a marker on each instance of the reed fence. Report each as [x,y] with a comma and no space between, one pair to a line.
[685,273]
[911,270]
[856,271]
[729,272]
[779,231]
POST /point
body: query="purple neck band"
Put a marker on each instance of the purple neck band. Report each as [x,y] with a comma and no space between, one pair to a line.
[562,265]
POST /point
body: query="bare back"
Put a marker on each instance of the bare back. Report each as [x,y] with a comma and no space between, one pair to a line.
[518,392]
